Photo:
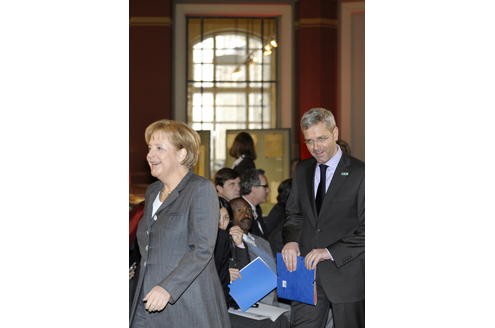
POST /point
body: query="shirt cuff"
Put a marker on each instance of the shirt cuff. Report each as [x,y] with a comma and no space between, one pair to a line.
[331,257]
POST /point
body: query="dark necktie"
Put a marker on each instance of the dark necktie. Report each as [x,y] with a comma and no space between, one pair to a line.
[320,193]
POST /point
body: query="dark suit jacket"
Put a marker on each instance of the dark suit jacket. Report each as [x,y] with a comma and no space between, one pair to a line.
[339,227]
[275,220]
[221,255]
[255,229]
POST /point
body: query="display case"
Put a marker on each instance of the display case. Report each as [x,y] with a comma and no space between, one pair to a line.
[273,155]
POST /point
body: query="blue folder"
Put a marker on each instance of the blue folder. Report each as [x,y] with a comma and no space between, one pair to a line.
[257,280]
[297,285]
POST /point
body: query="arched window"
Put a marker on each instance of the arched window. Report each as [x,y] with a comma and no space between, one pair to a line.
[231,77]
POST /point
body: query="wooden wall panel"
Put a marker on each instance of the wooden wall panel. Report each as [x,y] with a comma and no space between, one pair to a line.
[317,61]
[150,80]
[150,76]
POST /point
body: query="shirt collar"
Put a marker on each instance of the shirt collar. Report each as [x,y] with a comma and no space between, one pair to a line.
[253,208]
[334,160]
[247,200]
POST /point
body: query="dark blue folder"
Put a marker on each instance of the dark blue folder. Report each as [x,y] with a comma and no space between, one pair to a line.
[257,280]
[297,285]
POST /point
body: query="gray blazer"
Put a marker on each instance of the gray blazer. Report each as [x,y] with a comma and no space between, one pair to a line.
[176,246]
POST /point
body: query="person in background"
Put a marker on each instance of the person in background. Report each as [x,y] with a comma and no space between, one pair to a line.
[277,216]
[344,146]
[246,248]
[135,215]
[255,190]
[243,151]
[325,224]
[178,284]
[223,246]
[255,245]
[227,183]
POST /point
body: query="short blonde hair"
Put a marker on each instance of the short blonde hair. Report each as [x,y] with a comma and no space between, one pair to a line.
[180,135]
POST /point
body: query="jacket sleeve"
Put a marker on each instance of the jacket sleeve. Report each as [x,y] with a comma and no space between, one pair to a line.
[348,248]
[294,220]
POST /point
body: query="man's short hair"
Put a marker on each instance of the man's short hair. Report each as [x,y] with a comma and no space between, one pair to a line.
[250,178]
[317,115]
[223,175]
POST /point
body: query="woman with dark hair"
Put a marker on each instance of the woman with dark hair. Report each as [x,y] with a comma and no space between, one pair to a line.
[223,248]
[243,151]
[222,245]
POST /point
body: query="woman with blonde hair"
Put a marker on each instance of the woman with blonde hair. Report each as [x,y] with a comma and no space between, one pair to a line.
[178,285]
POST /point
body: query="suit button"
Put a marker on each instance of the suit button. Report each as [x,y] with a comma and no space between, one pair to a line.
[146,248]
[154,218]
[318,230]
[147,232]
[144,263]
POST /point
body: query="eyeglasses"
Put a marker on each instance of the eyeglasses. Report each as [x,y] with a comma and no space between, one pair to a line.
[264,186]
[319,140]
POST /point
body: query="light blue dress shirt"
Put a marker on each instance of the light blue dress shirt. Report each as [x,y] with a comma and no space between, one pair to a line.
[332,165]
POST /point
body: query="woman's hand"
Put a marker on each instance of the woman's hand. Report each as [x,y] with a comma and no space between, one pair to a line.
[156,299]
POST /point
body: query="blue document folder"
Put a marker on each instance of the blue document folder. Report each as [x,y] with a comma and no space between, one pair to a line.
[257,280]
[297,285]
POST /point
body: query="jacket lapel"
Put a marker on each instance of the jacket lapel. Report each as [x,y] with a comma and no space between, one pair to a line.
[310,177]
[340,175]
[149,205]
[174,194]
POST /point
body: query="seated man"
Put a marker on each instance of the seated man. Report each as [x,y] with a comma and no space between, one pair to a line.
[246,248]
[243,239]
[256,246]
[255,190]
[227,183]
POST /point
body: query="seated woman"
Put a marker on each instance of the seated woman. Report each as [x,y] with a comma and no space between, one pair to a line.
[223,249]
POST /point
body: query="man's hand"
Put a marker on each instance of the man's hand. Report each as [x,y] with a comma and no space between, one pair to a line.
[156,299]
[315,256]
[236,233]
[290,252]
[234,274]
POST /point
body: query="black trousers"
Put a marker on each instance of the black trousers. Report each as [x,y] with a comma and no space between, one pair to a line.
[345,315]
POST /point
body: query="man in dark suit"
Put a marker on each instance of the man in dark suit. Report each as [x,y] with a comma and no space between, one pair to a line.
[255,190]
[326,225]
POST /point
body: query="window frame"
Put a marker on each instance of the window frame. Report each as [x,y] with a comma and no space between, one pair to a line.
[285,111]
